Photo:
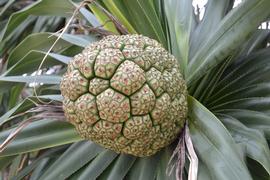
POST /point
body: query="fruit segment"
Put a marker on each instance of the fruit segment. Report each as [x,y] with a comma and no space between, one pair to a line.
[125,93]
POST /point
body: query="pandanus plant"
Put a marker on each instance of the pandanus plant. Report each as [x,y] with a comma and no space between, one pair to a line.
[134,89]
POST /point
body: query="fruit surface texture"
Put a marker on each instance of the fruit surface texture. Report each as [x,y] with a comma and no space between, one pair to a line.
[125,93]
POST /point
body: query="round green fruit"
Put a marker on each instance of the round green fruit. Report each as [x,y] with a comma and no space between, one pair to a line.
[125,93]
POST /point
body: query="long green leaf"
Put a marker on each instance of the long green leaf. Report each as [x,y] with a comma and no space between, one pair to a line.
[14,166]
[214,145]
[8,81]
[90,17]
[231,33]
[145,19]
[14,97]
[214,12]
[73,159]
[98,165]
[5,161]
[165,156]
[27,104]
[46,24]
[7,5]
[79,40]
[7,44]
[121,166]
[31,61]
[253,69]
[39,135]
[62,8]
[209,82]
[254,90]
[180,16]
[28,169]
[257,41]
[260,104]
[254,141]
[203,172]
[43,164]
[117,8]
[103,19]
[250,118]
[39,41]
[143,168]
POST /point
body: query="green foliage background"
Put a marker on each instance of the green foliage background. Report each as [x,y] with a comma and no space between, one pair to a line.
[224,57]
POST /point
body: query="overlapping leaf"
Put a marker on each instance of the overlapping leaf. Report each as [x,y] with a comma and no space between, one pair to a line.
[230,33]
[39,135]
[214,144]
